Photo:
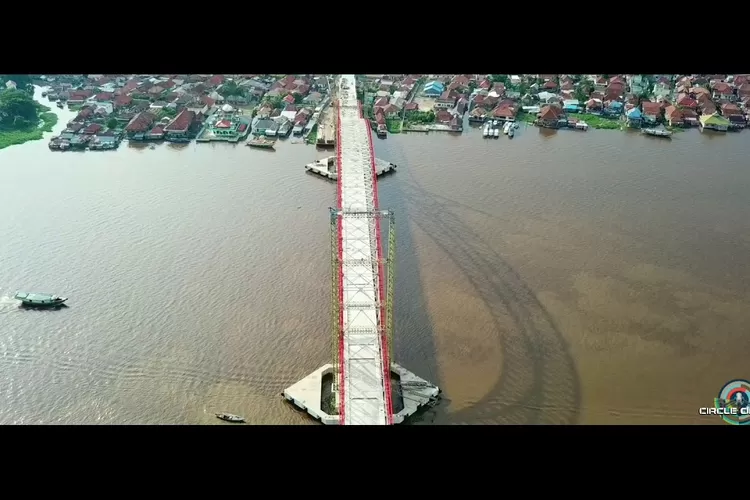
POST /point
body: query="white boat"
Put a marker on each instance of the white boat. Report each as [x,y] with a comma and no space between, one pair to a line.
[486,131]
[657,132]
[506,127]
[496,133]
[511,132]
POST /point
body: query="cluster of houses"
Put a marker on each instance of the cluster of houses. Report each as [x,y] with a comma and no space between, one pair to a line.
[718,102]
[291,106]
[176,107]
[388,97]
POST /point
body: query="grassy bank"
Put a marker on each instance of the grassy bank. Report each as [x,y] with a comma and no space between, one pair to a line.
[599,122]
[14,137]
[312,137]
[394,126]
[593,121]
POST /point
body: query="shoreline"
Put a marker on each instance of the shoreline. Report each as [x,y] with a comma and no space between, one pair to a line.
[47,121]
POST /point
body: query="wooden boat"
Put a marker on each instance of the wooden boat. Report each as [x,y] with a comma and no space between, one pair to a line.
[40,299]
[228,417]
[261,143]
[657,132]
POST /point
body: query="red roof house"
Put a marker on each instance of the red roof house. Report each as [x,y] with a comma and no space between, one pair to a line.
[140,123]
[92,129]
[181,122]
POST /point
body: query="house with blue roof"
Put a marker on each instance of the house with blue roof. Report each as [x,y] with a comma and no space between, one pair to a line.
[634,117]
[433,89]
[571,106]
[615,108]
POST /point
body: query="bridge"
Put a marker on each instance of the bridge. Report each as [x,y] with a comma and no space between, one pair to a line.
[363,385]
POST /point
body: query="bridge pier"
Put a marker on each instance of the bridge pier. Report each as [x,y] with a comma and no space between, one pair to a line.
[309,395]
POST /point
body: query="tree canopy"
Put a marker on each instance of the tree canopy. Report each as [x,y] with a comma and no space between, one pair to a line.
[17,110]
[231,88]
[23,82]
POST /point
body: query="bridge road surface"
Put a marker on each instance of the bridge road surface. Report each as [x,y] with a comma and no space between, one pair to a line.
[364,386]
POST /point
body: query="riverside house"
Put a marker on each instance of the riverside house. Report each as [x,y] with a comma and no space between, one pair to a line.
[178,129]
[714,122]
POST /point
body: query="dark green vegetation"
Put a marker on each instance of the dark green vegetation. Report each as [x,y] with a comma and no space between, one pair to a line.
[21,118]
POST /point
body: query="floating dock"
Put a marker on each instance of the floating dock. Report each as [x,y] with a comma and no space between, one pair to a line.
[327,167]
[313,394]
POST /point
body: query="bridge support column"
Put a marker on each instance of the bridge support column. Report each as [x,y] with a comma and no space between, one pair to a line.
[313,394]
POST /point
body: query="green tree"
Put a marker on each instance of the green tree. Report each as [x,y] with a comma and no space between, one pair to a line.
[231,89]
[275,102]
[112,123]
[298,98]
[17,110]
[583,90]
[499,78]
[23,82]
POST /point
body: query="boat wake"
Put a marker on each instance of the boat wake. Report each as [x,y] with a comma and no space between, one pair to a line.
[8,303]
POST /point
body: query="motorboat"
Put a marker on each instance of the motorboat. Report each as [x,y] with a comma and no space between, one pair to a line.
[40,299]
[261,143]
[496,133]
[657,132]
[228,417]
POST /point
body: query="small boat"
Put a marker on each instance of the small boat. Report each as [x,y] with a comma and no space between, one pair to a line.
[657,132]
[228,417]
[496,133]
[40,299]
[515,125]
[44,94]
[486,132]
[511,132]
[506,127]
[261,143]
[60,104]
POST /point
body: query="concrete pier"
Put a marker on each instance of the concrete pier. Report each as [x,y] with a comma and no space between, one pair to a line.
[326,167]
[415,392]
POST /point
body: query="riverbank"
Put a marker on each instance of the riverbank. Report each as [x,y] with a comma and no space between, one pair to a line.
[47,121]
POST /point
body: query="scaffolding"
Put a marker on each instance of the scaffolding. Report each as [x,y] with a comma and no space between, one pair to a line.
[336,332]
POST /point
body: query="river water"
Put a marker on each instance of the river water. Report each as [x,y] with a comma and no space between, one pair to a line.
[559,277]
